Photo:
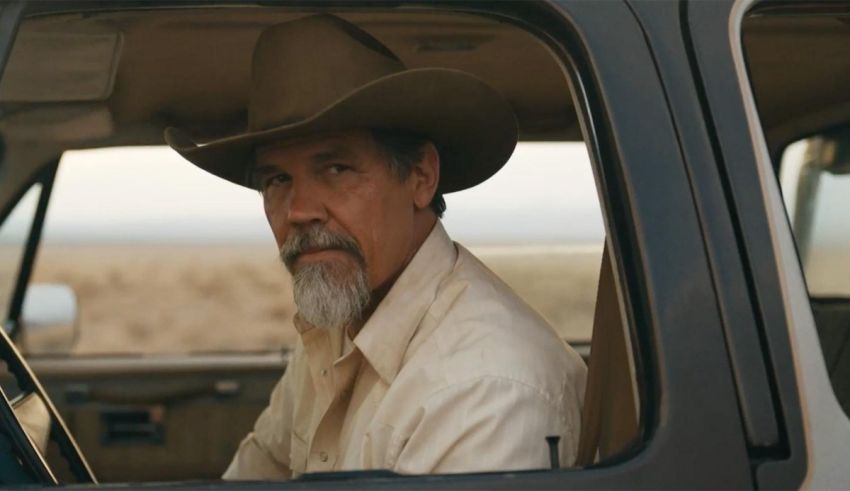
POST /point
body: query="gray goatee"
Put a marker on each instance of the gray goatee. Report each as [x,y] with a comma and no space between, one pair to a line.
[328,294]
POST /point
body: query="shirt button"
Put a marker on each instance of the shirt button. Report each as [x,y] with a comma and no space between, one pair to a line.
[324,372]
[323,456]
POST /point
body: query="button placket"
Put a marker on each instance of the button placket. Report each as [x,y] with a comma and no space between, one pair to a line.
[326,436]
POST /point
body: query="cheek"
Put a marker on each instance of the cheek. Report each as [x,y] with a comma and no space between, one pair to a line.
[389,233]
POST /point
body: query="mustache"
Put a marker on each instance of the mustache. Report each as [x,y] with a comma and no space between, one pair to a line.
[303,239]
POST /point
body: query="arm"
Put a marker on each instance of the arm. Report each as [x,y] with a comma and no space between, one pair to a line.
[264,453]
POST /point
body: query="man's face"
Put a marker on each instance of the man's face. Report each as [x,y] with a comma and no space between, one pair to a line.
[334,205]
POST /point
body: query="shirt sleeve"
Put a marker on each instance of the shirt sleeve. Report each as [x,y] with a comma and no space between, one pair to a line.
[264,453]
[490,424]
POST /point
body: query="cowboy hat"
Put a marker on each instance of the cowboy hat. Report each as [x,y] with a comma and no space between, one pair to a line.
[321,73]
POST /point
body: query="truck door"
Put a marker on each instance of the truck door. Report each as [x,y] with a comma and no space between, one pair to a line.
[695,423]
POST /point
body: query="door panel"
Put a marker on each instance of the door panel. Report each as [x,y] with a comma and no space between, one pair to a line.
[160,418]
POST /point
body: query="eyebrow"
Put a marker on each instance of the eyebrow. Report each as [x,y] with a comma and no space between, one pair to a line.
[335,152]
[260,170]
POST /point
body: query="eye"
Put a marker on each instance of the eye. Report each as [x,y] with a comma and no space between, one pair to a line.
[335,169]
[276,180]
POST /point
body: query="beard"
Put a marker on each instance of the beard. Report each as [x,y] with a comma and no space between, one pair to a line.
[329,294]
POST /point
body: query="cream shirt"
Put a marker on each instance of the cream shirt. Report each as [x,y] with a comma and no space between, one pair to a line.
[453,372]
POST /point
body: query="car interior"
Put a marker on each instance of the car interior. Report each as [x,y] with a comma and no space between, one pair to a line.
[120,77]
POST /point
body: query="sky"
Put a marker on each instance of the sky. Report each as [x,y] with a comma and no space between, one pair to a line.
[545,194]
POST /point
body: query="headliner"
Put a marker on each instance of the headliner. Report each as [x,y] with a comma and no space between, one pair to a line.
[119,77]
[123,76]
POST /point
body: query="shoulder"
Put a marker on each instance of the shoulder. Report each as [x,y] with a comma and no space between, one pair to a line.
[480,330]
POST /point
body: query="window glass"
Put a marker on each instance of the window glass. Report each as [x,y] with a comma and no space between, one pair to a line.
[13,237]
[817,197]
[166,258]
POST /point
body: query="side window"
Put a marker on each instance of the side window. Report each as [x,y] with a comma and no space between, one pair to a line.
[538,225]
[14,231]
[806,120]
[167,259]
[815,179]
[816,187]
[164,258]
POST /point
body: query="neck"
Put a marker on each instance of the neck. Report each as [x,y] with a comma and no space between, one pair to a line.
[422,227]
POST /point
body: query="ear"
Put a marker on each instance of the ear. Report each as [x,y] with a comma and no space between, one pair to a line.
[425,176]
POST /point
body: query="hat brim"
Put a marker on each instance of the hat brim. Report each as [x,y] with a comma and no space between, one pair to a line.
[472,124]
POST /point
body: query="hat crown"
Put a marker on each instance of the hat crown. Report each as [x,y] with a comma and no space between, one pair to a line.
[303,66]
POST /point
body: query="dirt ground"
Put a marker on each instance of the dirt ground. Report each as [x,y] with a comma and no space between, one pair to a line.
[172,298]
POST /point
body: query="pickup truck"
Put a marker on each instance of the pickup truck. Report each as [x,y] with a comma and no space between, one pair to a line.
[718,137]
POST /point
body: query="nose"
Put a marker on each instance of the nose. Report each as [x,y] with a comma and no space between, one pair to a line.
[305,206]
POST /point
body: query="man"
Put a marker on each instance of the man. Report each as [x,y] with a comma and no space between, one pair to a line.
[412,355]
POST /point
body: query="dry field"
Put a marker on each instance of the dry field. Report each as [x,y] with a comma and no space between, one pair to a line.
[171,298]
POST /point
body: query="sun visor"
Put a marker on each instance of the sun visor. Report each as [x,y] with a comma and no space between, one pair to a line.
[61,67]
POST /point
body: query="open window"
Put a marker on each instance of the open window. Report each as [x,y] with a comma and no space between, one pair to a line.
[166,260]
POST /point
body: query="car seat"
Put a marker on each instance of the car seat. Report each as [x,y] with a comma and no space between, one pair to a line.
[609,423]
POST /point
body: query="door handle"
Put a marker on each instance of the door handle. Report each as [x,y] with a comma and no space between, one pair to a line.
[136,426]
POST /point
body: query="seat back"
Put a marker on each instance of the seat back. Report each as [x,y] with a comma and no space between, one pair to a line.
[610,412]
[832,318]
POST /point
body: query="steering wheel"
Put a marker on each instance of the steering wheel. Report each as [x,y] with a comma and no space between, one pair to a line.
[29,422]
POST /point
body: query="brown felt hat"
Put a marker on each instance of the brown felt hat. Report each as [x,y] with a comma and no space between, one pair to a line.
[321,73]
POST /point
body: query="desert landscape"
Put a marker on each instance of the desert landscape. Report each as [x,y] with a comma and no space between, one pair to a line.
[189,298]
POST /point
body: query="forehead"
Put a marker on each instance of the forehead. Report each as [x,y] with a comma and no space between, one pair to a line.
[318,147]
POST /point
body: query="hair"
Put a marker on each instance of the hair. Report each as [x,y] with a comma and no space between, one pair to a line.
[327,295]
[404,149]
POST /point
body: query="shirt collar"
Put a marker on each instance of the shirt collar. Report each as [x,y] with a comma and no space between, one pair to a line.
[384,338]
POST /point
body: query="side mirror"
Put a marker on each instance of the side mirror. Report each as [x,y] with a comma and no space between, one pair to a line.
[835,151]
[49,319]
